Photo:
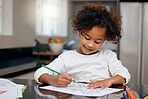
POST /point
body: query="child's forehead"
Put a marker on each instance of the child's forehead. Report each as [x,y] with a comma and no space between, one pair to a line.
[93,37]
[96,32]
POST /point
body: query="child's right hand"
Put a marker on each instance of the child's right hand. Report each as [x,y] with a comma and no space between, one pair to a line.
[61,80]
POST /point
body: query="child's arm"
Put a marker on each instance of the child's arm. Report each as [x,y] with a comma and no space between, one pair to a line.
[107,82]
[58,80]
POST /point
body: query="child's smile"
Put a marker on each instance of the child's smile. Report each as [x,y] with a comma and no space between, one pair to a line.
[87,49]
[91,41]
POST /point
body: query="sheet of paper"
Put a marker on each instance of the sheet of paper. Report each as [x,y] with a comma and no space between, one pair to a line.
[12,89]
[80,89]
[19,90]
[6,83]
[10,92]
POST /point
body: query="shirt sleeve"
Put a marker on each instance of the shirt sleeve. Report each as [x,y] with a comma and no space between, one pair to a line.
[57,65]
[116,67]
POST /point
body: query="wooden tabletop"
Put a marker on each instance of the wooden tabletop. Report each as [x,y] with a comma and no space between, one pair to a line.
[46,53]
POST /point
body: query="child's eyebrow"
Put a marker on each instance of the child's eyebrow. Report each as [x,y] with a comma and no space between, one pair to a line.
[91,37]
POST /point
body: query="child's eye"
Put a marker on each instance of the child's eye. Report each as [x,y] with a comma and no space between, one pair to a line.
[97,42]
[87,38]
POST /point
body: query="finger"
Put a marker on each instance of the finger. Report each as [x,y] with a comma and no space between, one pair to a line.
[61,85]
[65,74]
[66,77]
[102,87]
[93,81]
[64,80]
[94,85]
[91,86]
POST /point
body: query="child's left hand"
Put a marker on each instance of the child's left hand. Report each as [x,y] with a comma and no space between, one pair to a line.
[99,83]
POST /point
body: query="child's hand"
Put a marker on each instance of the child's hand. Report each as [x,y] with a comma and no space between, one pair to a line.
[99,83]
[62,80]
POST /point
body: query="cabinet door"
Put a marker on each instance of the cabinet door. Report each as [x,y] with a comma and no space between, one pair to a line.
[145,45]
[130,44]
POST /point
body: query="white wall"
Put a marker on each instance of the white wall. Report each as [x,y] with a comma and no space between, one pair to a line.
[23,25]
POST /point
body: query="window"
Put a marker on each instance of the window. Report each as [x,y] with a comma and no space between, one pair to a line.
[6,17]
[51,18]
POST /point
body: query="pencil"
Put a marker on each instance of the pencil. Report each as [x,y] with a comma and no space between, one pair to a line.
[55,71]
[125,95]
[127,92]
[138,97]
[132,94]
[52,70]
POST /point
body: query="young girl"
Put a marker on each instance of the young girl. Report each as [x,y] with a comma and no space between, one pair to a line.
[94,24]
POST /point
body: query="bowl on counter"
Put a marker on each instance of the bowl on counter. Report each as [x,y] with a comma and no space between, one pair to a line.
[56,47]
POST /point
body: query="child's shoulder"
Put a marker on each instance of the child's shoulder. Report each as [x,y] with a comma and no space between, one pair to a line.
[106,51]
[109,54]
[69,52]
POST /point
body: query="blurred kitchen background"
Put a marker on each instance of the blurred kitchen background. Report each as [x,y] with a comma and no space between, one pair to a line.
[27,25]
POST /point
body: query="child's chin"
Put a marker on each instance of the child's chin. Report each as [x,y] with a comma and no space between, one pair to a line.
[90,53]
[87,53]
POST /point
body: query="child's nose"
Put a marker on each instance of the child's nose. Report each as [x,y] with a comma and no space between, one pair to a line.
[90,44]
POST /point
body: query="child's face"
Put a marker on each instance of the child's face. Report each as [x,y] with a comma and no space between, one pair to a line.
[91,41]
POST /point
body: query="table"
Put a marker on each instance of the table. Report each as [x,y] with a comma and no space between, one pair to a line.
[50,54]
[33,92]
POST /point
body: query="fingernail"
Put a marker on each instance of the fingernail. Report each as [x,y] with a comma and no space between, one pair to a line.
[91,87]
[87,87]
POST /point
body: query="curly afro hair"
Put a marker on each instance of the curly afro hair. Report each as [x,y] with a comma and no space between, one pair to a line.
[97,15]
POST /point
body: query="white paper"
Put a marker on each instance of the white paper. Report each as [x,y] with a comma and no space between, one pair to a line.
[7,97]
[80,89]
[6,83]
[12,89]
[10,92]
[19,90]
